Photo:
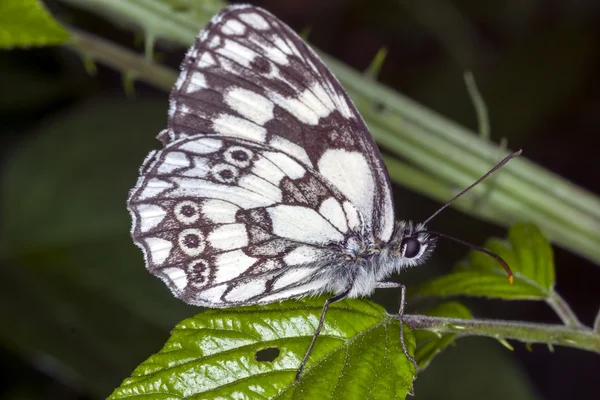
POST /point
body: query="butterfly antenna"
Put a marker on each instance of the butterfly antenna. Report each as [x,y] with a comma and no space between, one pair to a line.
[477,182]
[478,248]
[500,260]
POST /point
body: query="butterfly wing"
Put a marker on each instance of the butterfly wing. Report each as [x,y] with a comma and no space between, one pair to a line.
[225,221]
[250,76]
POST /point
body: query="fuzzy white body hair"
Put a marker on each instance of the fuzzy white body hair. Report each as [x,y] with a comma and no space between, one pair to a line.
[361,273]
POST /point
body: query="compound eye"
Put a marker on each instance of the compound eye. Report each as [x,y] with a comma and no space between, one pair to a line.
[411,247]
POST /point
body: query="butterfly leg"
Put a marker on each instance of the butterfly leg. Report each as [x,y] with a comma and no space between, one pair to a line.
[396,285]
[333,299]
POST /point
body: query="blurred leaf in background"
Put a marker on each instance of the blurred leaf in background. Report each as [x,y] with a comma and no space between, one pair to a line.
[25,23]
[68,260]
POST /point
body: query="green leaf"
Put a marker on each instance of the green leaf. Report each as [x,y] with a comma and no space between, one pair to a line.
[527,252]
[25,23]
[68,183]
[213,355]
[430,344]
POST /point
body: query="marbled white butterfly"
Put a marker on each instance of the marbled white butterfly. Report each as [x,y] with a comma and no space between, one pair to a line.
[269,186]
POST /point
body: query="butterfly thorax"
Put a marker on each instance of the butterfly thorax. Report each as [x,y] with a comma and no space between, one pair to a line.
[366,263]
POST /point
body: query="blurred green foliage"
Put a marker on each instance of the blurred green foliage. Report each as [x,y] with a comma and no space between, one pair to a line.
[25,23]
[76,302]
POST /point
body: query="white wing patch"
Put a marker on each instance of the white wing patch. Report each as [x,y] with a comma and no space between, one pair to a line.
[159,249]
[229,265]
[197,82]
[291,149]
[293,276]
[332,210]
[151,215]
[229,237]
[350,173]
[289,167]
[192,187]
[250,105]
[303,255]
[230,125]
[302,224]
[177,276]
[255,21]
[247,290]
[219,211]
[234,27]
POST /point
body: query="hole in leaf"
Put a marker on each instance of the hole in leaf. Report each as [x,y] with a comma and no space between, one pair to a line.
[269,354]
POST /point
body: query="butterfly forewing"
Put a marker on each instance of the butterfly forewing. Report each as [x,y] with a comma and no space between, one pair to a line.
[250,76]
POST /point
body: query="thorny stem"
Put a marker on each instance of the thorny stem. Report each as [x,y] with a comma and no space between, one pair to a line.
[564,312]
[597,324]
[122,59]
[581,338]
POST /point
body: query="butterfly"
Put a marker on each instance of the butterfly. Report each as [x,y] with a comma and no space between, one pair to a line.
[269,186]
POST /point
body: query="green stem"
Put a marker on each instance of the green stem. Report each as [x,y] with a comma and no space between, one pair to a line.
[562,309]
[122,59]
[580,338]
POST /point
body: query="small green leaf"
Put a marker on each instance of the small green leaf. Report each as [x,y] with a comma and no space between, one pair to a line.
[430,344]
[25,23]
[527,252]
[213,355]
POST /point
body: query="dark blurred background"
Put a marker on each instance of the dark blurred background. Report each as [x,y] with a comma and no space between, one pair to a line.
[78,311]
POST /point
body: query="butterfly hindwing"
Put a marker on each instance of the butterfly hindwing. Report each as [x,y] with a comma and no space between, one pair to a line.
[225,221]
[250,76]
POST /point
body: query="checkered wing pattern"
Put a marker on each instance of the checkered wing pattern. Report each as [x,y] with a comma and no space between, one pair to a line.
[268,176]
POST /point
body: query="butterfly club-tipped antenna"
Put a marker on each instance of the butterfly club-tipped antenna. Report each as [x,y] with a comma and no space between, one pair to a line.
[478,248]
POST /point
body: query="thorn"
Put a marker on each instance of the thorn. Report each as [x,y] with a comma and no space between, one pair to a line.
[89,65]
[550,347]
[129,78]
[138,39]
[374,68]
[149,46]
[529,347]
[479,105]
[305,33]
[505,343]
